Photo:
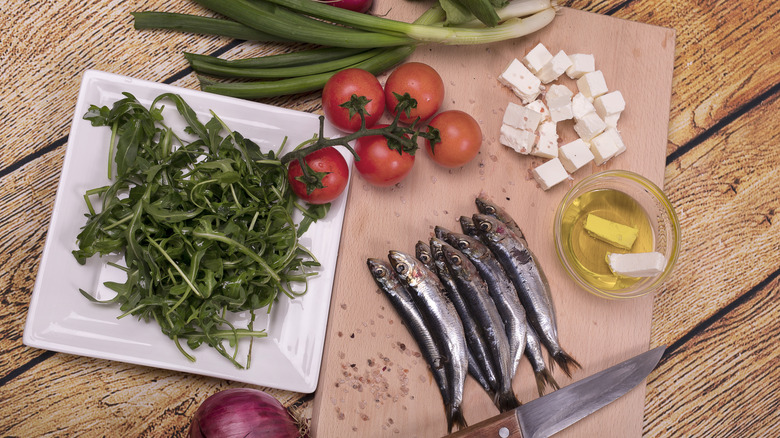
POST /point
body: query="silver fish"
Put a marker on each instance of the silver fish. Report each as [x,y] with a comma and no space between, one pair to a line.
[533,351]
[481,363]
[525,272]
[429,295]
[501,290]
[475,292]
[486,206]
[402,302]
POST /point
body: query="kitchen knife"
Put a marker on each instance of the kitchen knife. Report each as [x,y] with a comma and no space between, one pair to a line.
[560,409]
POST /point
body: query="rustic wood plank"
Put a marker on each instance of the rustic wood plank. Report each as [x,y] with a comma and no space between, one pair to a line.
[723,382]
[725,192]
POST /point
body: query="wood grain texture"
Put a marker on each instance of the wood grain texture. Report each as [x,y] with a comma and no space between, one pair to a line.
[396,395]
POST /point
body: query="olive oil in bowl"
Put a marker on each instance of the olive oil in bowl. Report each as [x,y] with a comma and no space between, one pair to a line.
[588,254]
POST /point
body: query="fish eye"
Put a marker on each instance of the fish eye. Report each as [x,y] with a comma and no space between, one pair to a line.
[401,269]
[455,259]
[485,226]
[489,209]
[425,257]
[462,244]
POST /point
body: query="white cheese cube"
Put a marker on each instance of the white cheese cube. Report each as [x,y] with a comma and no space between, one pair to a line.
[612,120]
[550,173]
[580,105]
[537,58]
[592,84]
[547,144]
[617,138]
[642,264]
[521,140]
[554,68]
[574,155]
[539,107]
[561,113]
[558,95]
[580,64]
[609,104]
[521,81]
[589,126]
[520,117]
[605,146]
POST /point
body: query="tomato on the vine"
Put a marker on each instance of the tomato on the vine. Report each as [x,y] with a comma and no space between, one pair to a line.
[422,83]
[341,87]
[461,138]
[380,165]
[327,160]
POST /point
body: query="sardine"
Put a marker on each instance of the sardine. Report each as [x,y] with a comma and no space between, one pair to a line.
[423,253]
[501,290]
[475,293]
[486,206]
[429,295]
[404,305]
[481,363]
[533,351]
[525,272]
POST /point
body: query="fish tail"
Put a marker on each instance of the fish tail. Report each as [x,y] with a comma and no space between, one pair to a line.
[566,362]
[456,418]
[506,401]
[545,378]
[449,414]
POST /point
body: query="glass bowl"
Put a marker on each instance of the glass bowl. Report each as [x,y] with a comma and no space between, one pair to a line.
[623,197]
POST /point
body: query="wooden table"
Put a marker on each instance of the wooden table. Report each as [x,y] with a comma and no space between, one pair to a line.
[718,314]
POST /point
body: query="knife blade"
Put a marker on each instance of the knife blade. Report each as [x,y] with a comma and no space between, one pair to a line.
[558,410]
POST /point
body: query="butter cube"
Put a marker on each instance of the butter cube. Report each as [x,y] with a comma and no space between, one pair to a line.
[580,64]
[521,140]
[540,107]
[547,144]
[554,68]
[574,155]
[521,81]
[580,105]
[589,126]
[619,235]
[609,104]
[520,117]
[537,58]
[550,173]
[606,145]
[592,84]
[641,264]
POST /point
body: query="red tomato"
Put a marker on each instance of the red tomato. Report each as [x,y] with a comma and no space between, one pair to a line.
[324,160]
[340,88]
[353,5]
[422,83]
[380,165]
[461,138]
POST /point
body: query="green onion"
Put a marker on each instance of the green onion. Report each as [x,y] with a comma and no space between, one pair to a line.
[197,24]
[292,59]
[282,22]
[283,72]
[511,28]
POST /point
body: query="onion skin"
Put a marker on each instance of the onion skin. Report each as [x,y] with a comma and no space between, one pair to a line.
[242,413]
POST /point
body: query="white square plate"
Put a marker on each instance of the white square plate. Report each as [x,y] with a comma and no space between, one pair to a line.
[60,319]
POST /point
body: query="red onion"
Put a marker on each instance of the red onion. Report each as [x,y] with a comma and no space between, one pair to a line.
[244,413]
[352,5]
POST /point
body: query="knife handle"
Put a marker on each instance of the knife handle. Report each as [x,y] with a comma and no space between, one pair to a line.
[504,425]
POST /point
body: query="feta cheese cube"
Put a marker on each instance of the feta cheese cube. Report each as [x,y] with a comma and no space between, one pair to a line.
[558,95]
[547,144]
[617,138]
[554,68]
[609,104]
[580,64]
[521,140]
[561,113]
[589,126]
[592,84]
[520,117]
[521,81]
[574,155]
[550,173]
[606,145]
[537,58]
[612,120]
[540,107]
[641,264]
[580,105]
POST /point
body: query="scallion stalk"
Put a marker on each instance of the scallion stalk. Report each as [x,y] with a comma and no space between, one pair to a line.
[280,21]
[202,25]
[292,59]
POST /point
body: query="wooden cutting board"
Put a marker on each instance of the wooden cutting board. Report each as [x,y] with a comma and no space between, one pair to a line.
[373,380]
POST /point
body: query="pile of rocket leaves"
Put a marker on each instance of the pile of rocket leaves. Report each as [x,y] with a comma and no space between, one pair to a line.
[206,226]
